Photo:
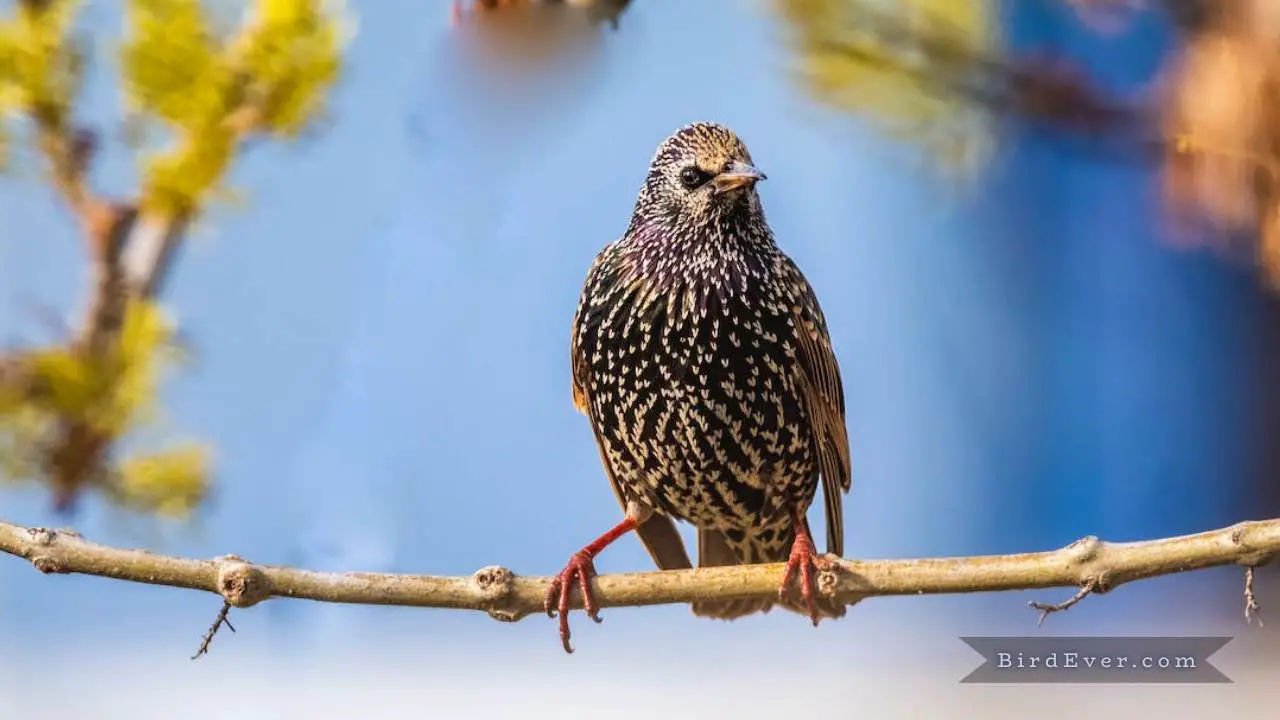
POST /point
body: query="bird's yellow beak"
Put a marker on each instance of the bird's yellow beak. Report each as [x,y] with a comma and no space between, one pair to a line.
[738,174]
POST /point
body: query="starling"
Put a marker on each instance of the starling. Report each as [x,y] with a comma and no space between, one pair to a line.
[701,357]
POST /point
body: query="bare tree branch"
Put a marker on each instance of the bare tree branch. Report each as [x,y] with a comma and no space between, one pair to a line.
[132,250]
[1087,563]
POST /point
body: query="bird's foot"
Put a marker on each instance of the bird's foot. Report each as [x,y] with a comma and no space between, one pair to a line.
[804,561]
[580,570]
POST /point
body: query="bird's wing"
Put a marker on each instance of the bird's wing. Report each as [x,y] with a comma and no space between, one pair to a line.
[658,533]
[579,379]
[823,393]
[600,274]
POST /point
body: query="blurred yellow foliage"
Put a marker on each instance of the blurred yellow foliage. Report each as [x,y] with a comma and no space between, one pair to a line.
[7,95]
[169,482]
[64,409]
[271,75]
[896,62]
[171,63]
[116,390]
[290,54]
[111,393]
[39,63]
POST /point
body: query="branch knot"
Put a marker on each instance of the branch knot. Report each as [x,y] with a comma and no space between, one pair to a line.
[495,584]
[828,579]
[240,583]
[47,565]
[1099,584]
[1084,549]
[1253,554]
[43,538]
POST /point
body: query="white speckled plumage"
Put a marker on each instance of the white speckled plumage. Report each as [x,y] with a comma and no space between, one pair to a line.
[702,358]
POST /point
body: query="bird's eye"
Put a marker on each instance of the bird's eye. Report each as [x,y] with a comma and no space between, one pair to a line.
[692,177]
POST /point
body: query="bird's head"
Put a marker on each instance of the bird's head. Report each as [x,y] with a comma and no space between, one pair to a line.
[700,173]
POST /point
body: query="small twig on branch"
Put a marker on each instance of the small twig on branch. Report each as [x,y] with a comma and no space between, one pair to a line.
[1251,609]
[1047,609]
[221,620]
[1087,563]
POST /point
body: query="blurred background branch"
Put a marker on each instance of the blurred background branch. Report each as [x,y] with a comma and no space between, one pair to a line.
[201,94]
[931,70]
[935,73]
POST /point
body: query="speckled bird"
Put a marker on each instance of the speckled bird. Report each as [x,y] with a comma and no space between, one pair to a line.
[702,359]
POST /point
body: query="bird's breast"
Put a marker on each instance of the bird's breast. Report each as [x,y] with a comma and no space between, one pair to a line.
[693,389]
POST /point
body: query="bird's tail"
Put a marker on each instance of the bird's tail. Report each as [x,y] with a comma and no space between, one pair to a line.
[717,548]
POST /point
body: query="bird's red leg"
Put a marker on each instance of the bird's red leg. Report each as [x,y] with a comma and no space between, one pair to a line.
[581,569]
[804,558]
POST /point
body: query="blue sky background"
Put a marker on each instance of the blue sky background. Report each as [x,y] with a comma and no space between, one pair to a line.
[383,366]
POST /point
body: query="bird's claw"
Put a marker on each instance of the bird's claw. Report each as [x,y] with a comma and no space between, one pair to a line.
[581,569]
[804,559]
